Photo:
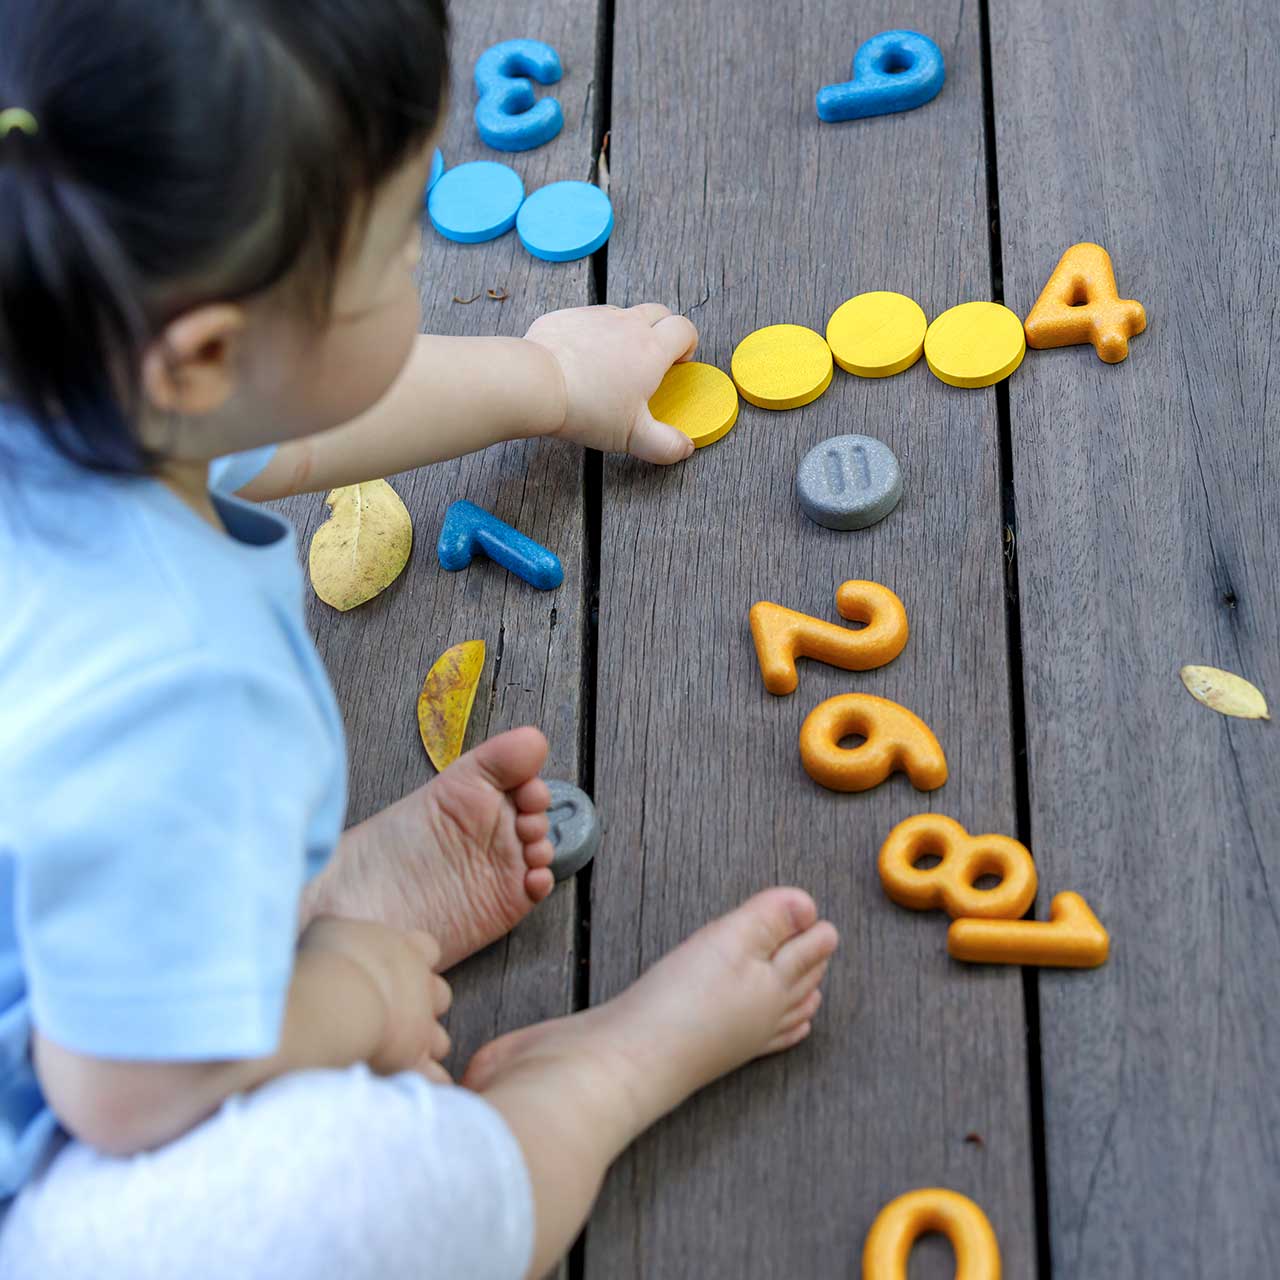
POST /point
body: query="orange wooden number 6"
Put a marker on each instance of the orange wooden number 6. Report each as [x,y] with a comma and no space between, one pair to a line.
[903,1221]
[1080,304]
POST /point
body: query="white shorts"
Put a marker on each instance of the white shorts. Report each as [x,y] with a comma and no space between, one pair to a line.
[322,1174]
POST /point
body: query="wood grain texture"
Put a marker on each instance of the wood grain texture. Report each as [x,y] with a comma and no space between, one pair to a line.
[1148,503]
[378,655]
[737,206]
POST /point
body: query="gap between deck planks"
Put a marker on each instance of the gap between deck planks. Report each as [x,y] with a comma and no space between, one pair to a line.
[1148,502]
[379,654]
[736,206]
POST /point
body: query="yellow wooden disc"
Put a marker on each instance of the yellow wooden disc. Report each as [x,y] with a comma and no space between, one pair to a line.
[782,366]
[698,399]
[877,334]
[975,344]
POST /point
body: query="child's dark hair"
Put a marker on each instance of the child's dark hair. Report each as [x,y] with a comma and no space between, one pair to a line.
[186,151]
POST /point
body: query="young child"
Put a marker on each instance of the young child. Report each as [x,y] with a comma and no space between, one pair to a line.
[219,1016]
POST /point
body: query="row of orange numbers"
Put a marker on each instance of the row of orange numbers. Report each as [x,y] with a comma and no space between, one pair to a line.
[987,925]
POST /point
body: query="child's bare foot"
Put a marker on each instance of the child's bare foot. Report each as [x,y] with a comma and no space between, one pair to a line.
[744,986]
[465,858]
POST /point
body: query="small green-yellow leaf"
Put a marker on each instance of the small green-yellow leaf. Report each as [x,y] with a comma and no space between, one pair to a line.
[364,545]
[1225,693]
[448,694]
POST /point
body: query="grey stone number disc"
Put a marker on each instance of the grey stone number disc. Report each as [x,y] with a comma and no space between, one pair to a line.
[849,482]
[575,829]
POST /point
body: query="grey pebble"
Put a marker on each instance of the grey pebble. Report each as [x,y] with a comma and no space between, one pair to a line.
[575,829]
[849,482]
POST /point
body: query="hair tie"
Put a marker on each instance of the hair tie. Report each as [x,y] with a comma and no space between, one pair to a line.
[19,119]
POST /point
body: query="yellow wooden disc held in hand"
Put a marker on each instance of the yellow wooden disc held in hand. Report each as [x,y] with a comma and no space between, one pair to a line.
[976,344]
[782,366]
[699,400]
[877,334]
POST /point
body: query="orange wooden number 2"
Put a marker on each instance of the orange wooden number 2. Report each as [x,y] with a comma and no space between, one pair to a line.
[1080,304]
[903,1221]
[783,635]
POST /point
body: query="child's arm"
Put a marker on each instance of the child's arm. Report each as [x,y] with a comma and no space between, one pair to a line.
[584,375]
[360,993]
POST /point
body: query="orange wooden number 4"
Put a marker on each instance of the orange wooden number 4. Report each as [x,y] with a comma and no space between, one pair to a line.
[1080,304]
[903,1221]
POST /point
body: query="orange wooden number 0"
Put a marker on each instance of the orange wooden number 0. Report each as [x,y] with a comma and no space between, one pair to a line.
[903,1221]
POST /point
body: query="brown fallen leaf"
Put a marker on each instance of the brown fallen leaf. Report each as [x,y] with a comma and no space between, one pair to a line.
[498,295]
[466,302]
[364,545]
[1228,694]
[448,694]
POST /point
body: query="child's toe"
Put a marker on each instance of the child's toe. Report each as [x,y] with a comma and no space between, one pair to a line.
[538,883]
[803,953]
[789,1039]
[766,922]
[533,797]
[511,760]
[532,827]
[539,853]
[803,1012]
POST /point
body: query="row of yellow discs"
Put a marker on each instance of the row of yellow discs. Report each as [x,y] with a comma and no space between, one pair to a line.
[873,335]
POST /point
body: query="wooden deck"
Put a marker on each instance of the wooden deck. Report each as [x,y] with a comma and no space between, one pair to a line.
[1128,1119]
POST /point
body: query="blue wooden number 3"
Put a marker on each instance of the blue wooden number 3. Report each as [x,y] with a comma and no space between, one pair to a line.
[507,115]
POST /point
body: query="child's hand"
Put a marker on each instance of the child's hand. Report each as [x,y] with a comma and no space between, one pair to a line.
[612,362]
[401,966]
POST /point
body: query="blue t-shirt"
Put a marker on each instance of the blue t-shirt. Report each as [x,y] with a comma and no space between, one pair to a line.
[172,770]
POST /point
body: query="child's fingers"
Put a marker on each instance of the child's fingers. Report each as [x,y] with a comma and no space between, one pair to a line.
[654,441]
[435,1072]
[440,1043]
[426,945]
[441,996]
[651,312]
[678,336]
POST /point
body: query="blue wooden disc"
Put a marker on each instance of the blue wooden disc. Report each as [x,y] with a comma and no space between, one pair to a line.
[476,201]
[565,221]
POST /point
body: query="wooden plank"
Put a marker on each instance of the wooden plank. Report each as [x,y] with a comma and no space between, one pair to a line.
[379,654]
[1148,502]
[737,206]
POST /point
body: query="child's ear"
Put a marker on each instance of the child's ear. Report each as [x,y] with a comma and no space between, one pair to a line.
[190,369]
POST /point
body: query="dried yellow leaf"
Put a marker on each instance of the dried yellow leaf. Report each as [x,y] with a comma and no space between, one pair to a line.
[364,545]
[1228,694]
[448,694]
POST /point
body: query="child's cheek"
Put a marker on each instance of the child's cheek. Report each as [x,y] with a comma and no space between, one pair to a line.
[362,360]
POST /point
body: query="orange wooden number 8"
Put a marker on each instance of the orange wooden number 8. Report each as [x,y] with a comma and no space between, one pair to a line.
[904,1220]
[964,859]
